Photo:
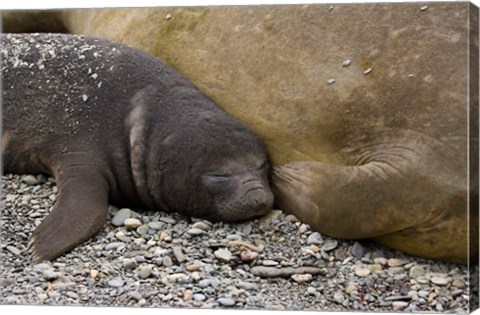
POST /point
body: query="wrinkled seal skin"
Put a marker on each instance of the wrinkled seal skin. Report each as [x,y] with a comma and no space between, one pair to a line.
[114,124]
[382,155]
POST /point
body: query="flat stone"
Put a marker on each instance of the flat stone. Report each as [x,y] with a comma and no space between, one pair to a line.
[439,281]
[394,262]
[248,255]
[132,223]
[114,245]
[50,275]
[223,254]
[329,245]
[168,220]
[202,226]
[199,297]
[142,229]
[156,225]
[301,278]
[178,253]
[129,263]
[116,283]
[15,251]
[195,231]
[144,272]
[30,180]
[395,270]
[315,238]
[458,283]
[167,261]
[269,262]
[120,217]
[351,287]
[416,271]
[399,305]
[226,302]
[358,250]
[374,268]
[380,260]
[362,272]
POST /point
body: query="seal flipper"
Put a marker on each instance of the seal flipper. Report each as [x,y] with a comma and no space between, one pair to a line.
[403,183]
[79,212]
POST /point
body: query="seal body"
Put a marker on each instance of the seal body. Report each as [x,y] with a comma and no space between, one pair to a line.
[114,124]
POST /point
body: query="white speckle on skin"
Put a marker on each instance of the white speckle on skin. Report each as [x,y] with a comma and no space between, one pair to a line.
[331,81]
[94,76]
[84,98]
[99,84]
[346,63]
[368,71]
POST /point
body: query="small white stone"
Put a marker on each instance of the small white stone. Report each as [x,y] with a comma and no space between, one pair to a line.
[168,17]
[346,63]
[367,71]
[94,76]
[423,8]
[84,98]
[331,81]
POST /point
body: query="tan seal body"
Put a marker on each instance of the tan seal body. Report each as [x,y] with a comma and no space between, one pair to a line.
[364,107]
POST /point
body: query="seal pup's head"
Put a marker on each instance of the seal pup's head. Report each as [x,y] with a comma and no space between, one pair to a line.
[200,161]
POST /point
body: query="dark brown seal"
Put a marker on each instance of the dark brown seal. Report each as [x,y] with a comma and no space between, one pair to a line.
[114,124]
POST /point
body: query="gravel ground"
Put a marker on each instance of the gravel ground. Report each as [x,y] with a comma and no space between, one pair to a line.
[155,259]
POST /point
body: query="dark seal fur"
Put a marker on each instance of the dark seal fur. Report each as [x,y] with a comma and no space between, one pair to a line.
[114,124]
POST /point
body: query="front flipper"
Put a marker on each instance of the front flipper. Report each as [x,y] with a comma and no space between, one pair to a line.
[410,194]
[79,212]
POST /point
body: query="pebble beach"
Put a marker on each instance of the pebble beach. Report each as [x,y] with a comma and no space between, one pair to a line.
[157,259]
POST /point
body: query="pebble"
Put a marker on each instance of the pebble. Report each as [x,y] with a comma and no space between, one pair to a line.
[269,262]
[439,281]
[329,245]
[315,238]
[368,71]
[129,263]
[362,272]
[416,271]
[114,245]
[135,295]
[202,225]
[50,275]
[226,302]
[331,81]
[248,255]
[458,283]
[199,297]
[423,8]
[338,297]
[142,229]
[380,260]
[144,272]
[223,254]
[393,262]
[30,180]
[132,223]
[303,228]
[358,250]
[168,220]
[399,305]
[116,283]
[156,225]
[167,261]
[195,231]
[301,278]
[351,287]
[374,268]
[15,251]
[311,290]
[178,253]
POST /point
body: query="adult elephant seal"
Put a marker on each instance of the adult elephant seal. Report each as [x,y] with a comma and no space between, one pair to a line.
[364,107]
[114,124]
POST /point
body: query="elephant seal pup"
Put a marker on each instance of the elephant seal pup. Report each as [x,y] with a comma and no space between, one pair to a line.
[112,123]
